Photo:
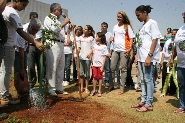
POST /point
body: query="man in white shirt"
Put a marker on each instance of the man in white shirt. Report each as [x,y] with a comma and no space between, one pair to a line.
[179,51]
[55,58]
[166,54]
[33,56]
[104,27]
[20,62]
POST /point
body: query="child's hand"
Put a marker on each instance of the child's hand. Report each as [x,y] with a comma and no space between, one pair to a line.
[102,69]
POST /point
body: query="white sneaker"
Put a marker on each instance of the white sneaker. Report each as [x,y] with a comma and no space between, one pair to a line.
[52,93]
[65,83]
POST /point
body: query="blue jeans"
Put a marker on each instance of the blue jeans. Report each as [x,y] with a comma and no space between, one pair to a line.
[181,84]
[147,85]
[68,58]
[107,70]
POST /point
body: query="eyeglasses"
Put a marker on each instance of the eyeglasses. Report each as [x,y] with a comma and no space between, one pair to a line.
[33,29]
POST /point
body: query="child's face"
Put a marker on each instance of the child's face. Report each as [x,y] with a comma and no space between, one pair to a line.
[86,31]
[97,38]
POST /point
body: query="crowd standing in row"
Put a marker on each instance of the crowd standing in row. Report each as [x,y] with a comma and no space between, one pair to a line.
[101,51]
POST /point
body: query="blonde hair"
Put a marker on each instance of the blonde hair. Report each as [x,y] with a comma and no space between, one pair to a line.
[126,20]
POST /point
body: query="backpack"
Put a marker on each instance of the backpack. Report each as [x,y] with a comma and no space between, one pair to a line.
[3,30]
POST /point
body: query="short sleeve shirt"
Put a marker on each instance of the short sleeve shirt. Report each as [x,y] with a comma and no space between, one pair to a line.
[180,47]
[119,33]
[86,44]
[148,32]
[99,51]
[13,23]
[167,49]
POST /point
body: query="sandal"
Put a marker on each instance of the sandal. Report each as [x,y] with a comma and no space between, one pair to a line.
[139,104]
[179,110]
[121,92]
[99,94]
[145,109]
[92,93]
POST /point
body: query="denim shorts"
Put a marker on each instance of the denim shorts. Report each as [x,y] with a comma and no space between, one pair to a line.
[85,68]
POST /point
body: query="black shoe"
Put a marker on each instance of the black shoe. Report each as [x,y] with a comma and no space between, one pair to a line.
[3,116]
[110,89]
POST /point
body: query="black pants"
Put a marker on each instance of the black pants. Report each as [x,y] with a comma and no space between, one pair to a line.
[172,88]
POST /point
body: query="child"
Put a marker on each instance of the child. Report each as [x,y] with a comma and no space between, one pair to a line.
[85,45]
[149,37]
[98,61]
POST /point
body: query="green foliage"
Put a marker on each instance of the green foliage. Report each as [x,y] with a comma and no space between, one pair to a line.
[49,34]
[13,120]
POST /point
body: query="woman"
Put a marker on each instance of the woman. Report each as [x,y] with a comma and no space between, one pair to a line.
[148,49]
[168,34]
[122,44]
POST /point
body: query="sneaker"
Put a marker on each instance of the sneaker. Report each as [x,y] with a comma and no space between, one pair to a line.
[107,84]
[3,116]
[61,92]
[65,83]
[52,93]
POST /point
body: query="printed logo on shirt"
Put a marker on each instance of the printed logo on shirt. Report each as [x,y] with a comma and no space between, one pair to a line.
[140,42]
[19,24]
[170,47]
[182,45]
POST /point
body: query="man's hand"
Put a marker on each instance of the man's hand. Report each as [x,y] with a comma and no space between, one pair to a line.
[147,61]
[38,45]
[66,20]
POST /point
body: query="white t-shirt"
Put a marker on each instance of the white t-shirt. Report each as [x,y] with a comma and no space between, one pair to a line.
[68,49]
[99,52]
[180,47]
[148,32]
[13,23]
[167,49]
[119,43]
[86,44]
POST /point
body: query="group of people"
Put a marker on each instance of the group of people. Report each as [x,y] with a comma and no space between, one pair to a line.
[20,46]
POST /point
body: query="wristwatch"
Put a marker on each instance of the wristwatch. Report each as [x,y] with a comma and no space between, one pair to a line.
[150,54]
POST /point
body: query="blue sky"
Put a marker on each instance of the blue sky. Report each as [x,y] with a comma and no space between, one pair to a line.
[168,13]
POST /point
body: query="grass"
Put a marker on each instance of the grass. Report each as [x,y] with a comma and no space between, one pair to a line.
[163,106]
